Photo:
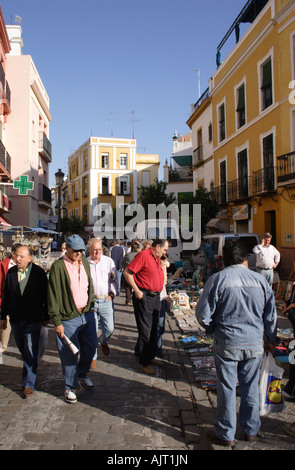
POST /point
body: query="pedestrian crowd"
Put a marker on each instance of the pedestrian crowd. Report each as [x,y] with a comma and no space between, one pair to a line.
[237,306]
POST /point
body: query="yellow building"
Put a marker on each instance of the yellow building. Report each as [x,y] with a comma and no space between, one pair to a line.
[105,173]
[254,125]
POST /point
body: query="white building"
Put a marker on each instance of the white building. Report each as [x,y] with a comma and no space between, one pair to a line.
[178,175]
[200,123]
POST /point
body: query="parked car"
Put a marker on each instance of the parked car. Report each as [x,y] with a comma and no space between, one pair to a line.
[218,240]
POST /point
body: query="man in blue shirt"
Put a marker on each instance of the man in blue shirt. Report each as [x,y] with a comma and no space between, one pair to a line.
[238,307]
[208,267]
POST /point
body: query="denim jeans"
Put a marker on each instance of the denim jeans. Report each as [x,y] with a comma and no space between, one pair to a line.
[26,337]
[105,311]
[237,366]
[267,274]
[119,278]
[82,332]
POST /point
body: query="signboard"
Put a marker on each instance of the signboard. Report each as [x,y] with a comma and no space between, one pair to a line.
[241,212]
[23,185]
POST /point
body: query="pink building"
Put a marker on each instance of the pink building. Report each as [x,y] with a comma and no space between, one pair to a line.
[5,110]
[27,135]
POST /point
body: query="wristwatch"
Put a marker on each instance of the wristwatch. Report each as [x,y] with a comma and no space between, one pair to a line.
[111,294]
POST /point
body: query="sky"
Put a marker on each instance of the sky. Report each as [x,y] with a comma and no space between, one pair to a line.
[122,68]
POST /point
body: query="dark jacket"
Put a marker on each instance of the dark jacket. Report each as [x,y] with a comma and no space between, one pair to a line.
[32,305]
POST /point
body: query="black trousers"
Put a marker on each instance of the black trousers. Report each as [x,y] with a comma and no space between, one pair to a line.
[147,312]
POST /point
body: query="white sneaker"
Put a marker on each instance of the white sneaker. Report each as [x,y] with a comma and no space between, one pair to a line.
[86,383]
[70,396]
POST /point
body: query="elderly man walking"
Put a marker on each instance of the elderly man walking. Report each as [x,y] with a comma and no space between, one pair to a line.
[104,278]
[145,275]
[238,307]
[70,306]
[25,302]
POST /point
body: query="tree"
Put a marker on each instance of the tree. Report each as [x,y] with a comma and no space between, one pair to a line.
[155,194]
[71,225]
[209,206]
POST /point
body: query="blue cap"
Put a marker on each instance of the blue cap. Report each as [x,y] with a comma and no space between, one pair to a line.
[75,242]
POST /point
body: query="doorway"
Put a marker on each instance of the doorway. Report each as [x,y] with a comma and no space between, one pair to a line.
[270,225]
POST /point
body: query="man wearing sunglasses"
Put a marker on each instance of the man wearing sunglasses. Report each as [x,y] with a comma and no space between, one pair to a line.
[70,306]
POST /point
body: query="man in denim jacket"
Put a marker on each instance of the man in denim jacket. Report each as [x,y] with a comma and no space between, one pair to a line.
[238,307]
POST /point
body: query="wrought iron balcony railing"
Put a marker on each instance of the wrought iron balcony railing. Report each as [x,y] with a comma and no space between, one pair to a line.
[45,147]
[286,168]
[263,180]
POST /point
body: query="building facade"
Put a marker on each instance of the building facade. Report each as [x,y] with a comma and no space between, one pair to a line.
[254,126]
[5,111]
[27,135]
[179,174]
[200,123]
[104,174]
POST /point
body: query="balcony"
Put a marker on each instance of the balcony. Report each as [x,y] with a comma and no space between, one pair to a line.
[233,191]
[263,180]
[286,169]
[239,189]
[45,147]
[5,163]
[198,156]
[6,94]
[44,196]
[220,194]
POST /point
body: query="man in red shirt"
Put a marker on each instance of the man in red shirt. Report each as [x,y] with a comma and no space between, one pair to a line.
[145,275]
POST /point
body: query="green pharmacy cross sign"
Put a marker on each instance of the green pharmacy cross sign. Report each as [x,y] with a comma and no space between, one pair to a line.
[23,185]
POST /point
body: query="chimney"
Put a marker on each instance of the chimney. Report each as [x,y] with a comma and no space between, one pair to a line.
[15,37]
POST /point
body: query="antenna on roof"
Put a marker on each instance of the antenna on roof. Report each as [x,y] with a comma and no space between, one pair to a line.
[17,19]
[199,81]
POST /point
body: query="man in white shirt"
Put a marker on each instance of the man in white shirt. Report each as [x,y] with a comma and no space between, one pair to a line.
[104,278]
[267,258]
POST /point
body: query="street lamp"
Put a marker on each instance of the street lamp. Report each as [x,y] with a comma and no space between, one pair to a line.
[59,179]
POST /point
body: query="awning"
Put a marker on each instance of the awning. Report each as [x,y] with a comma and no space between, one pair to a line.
[183,161]
[219,224]
[44,230]
[5,223]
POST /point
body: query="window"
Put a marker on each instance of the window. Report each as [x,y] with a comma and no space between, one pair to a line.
[266,84]
[210,133]
[84,186]
[268,162]
[241,107]
[105,160]
[84,214]
[221,120]
[124,187]
[243,174]
[222,170]
[145,178]
[105,185]
[123,161]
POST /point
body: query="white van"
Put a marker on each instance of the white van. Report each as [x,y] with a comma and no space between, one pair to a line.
[218,240]
[163,229]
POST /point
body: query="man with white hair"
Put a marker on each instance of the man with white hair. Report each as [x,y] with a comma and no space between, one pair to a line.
[104,278]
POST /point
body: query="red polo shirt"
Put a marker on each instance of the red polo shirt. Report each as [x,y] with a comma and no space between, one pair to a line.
[147,270]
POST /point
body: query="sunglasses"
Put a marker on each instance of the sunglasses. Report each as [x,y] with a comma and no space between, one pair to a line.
[78,251]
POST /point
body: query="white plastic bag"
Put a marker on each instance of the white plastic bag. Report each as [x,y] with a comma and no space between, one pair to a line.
[271,397]
[43,342]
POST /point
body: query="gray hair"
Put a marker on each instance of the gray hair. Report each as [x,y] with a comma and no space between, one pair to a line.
[92,240]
